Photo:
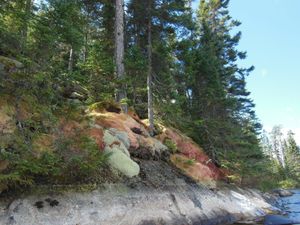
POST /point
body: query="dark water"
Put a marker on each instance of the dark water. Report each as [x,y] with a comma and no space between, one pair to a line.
[291,206]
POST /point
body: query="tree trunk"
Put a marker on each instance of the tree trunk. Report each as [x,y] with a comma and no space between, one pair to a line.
[149,75]
[85,47]
[119,53]
[70,64]
[27,9]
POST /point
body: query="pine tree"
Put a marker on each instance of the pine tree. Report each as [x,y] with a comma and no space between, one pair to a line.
[218,101]
[277,145]
[152,34]
[292,155]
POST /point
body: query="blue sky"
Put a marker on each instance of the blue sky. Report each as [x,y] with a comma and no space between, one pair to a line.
[271,36]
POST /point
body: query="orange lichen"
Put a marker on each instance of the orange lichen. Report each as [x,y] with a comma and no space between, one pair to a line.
[194,169]
[191,151]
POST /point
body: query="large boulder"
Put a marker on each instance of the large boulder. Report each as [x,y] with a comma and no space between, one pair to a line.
[119,156]
[132,132]
[113,143]
[121,135]
[283,193]
[121,123]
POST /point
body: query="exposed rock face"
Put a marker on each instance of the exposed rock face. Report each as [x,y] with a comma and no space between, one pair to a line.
[160,195]
[132,133]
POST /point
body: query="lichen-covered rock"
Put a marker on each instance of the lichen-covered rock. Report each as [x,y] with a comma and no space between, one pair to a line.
[194,169]
[113,143]
[122,136]
[119,156]
[120,122]
[150,148]
[191,151]
[121,162]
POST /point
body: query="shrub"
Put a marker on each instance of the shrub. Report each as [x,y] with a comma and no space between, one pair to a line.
[25,169]
[84,163]
[63,165]
[288,184]
[190,162]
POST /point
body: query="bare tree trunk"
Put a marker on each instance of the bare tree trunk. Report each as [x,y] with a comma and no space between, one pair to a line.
[28,7]
[119,53]
[149,75]
[70,64]
[85,47]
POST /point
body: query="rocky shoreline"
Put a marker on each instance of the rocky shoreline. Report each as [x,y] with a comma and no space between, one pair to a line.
[165,180]
[161,196]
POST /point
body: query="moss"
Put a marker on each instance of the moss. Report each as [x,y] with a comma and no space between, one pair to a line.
[190,162]
[171,145]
